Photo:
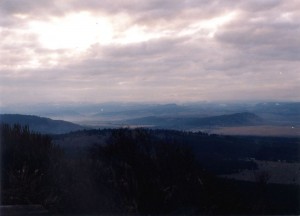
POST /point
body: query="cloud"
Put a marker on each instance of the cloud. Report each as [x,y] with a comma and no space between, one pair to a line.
[269,35]
[153,50]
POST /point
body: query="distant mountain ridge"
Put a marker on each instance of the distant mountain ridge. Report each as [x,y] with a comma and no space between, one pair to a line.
[244,118]
[156,109]
[273,113]
[236,119]
[40,124]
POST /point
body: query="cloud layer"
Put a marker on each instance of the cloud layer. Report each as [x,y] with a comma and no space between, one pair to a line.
[96,51]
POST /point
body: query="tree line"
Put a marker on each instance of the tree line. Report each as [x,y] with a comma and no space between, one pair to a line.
[131,174]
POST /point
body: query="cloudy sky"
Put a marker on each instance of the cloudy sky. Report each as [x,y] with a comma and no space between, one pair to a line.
[152,50]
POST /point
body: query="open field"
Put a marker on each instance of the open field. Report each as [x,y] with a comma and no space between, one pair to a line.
[278,172]
[263,130]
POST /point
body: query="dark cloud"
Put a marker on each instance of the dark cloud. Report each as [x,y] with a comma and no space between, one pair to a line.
[266,36]
[257,5]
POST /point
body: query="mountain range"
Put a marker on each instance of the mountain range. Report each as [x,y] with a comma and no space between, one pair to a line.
[236,119]
[40,124]
[270,118]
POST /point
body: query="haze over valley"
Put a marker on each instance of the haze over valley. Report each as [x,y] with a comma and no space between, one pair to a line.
[270,118]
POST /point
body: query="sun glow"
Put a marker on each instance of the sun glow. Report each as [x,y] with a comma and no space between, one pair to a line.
[77,31]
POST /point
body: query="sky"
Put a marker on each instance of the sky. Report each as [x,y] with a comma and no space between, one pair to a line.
[95,51]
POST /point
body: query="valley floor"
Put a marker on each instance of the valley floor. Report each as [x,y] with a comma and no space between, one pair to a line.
[261,130]
[277,172]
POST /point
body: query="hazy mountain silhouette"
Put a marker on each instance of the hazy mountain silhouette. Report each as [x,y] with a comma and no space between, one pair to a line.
[237,119]
[40,124]
[142,110]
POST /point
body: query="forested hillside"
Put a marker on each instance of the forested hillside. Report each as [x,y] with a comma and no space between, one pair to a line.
[40,124]
[135,172]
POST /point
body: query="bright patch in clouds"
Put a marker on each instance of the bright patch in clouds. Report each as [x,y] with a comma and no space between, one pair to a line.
[136,34]
[76,31]
[209,26]
[80,30]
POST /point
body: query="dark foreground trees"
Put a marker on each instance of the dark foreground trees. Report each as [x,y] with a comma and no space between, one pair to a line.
[131,174]
[150,176]
[135,172]
[27,161]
